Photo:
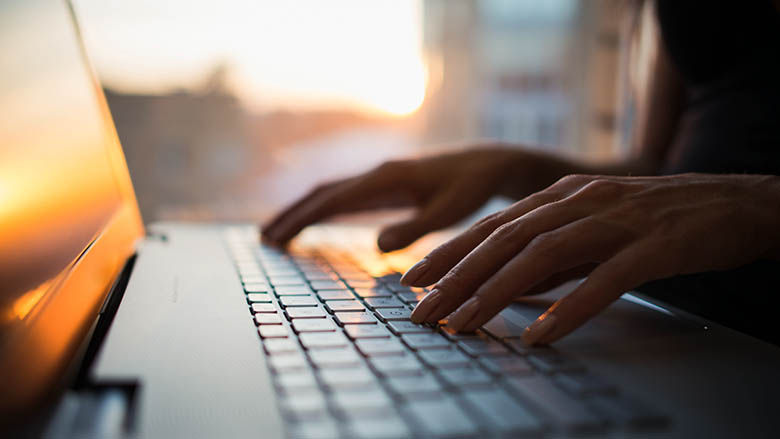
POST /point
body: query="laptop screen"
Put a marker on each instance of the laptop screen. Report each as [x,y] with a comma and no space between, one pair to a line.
[58,186]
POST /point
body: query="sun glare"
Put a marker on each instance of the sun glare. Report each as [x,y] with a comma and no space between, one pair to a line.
[362,55]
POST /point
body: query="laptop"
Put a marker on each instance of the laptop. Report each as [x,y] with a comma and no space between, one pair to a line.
[111,329]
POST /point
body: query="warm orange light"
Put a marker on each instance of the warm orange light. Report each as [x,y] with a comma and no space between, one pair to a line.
[297,55]
[24,304]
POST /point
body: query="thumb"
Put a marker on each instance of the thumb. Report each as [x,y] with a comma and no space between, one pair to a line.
[445,209]
[398,236]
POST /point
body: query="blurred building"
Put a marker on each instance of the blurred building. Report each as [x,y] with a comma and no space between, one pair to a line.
[183,148]
[540,73]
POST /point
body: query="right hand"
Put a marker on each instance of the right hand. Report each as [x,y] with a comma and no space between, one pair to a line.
[444,188]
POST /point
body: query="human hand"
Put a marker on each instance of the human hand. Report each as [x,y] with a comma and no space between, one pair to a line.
[619,231]
[445,189]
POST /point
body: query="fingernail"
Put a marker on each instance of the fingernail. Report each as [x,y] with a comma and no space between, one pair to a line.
[464,314]
[538,329]
[426,305]
[415,272]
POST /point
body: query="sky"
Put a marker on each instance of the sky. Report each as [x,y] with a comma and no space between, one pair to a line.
[362,55]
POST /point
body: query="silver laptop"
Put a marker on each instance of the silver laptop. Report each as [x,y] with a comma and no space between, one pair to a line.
[184,330]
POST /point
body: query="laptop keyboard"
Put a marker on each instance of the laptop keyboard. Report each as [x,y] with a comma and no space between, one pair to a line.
[347,362]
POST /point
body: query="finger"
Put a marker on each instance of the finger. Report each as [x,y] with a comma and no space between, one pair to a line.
[375,188]
[271,227]
[559,279]
[445,209]
[578,243]
[441,260]
[605,284]
[490,255]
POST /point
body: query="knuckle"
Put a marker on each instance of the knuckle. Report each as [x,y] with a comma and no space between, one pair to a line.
[487,224]
[573,179]
[505,231]
[602,188]
[454,279]
[391,167]
[323,187]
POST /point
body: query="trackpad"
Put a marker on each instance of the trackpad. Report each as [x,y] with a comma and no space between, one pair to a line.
[629,317]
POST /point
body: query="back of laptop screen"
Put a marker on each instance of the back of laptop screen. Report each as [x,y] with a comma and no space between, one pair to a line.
[57,185]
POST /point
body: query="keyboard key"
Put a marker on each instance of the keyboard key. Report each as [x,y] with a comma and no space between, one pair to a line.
[347,377]
[366,282]
[315,429]
[377,346]
[366,331]
[562,409]
[355,318]
[313,325]
[325,358]
[288,301]
[477,347]
[410,297]
[303,406]
[344,305]
[518,346]
[305,312]
[506,365]
[397,365]
[458,336]
[257,288]
[313,276]
[387,427]
[438,418]
[273,331]
[501,328]
[390,314]
[356,402]
[288,362]
[444,358]
[397,287]
[280,281]
[280,345]
[293,290]
[554,362]
[462,377]
[318,285]
[335,295]
[268,319]
[425,341]
[314,340]
[254,278]
[295,380]
[373,292]
[501,412]
[383,302]
[357,276]
[258,298]
[415,386]
[407,327]
[263,308]
[282,272]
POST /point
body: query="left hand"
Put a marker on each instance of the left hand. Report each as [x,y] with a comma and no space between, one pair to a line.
[620,232]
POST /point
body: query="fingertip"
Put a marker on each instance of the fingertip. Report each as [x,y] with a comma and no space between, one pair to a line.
[538,331]
[413,274]
[387,242]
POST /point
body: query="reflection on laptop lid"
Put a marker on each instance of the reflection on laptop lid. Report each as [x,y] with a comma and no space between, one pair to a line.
[68,216]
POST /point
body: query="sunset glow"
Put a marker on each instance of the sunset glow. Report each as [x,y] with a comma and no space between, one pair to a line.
[342,54]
